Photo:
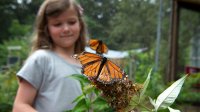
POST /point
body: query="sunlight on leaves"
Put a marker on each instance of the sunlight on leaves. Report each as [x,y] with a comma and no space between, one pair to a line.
[166,98]
[173,110]
[145,85]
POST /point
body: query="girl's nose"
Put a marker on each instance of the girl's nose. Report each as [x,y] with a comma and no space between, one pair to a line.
[66,27]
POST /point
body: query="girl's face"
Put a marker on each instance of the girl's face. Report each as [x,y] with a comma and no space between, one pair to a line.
[64,29]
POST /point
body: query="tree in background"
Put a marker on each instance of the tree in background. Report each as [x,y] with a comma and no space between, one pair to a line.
[98,13]
[18,13]
[123,25]
[134,25]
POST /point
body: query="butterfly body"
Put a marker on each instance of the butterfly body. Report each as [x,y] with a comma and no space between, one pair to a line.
[99,68]
[103,61]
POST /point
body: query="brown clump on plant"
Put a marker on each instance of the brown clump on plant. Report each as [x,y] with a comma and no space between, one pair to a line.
[119,93]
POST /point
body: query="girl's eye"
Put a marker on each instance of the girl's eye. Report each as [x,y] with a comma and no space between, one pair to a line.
[57,24]
[72,22]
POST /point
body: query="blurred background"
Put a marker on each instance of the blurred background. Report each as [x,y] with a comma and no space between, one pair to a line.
[159,34]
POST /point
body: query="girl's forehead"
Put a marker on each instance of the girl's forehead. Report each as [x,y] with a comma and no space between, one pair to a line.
[70,12]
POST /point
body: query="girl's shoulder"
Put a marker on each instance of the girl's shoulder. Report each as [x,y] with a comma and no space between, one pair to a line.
[41,54]
[43,51]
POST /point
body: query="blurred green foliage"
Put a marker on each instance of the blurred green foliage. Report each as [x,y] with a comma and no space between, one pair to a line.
[19,30]
[143,63]
[191,90]
[22,53]
[8,88]
[14,14]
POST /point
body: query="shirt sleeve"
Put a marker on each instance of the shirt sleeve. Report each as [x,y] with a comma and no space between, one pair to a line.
[32,71]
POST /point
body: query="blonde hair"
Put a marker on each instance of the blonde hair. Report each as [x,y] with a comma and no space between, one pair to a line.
[51,8]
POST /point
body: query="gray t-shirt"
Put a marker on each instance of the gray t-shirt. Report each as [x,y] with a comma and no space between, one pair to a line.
[48,72]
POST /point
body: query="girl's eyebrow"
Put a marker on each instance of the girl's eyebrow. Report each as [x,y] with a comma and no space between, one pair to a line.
[57,20]
[72,19]
[53,21]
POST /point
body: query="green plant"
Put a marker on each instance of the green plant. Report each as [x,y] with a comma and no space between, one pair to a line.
[22,53]
[121,103]
[18,30]
[143,61]
[190,92]
[8,88]
[90,99]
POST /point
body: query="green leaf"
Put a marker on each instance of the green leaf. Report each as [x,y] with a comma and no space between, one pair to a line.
[97,91]
[99,104]
[88,102]
[145,85]
[88,89]
[79,98]
[166,98]
[173,110]
[153,102]
[81,106]
[81,78]
[133,103]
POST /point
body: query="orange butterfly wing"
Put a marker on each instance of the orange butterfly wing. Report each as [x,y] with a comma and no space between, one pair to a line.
[86,57]
[93,44]
[103,49]
[110,73]
[93,67]
[90,64]
[98,46]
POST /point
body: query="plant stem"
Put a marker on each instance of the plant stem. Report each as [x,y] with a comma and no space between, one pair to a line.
[143,106]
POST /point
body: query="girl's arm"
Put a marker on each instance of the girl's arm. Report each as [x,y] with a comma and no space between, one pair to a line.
[25,97]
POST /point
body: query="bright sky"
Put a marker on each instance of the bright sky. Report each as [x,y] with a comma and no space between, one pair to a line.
[20,1]
[151,1]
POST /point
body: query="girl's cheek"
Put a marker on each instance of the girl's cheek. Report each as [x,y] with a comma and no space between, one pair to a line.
[54,31]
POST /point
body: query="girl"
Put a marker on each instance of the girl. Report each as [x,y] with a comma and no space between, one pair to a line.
[43,85]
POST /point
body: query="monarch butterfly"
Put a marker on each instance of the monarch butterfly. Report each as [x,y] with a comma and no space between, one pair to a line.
[97,67]
[98,46]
